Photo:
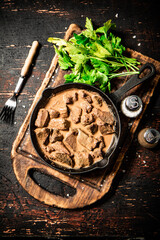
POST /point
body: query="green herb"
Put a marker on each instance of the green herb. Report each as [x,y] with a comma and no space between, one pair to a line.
[94,56]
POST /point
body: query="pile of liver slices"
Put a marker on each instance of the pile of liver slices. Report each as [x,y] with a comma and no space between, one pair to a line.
[72,133]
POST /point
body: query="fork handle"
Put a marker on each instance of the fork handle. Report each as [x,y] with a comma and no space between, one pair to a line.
[26,67]
[29,58]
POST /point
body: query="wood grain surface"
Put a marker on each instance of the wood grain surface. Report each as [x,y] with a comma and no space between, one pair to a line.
[131,208]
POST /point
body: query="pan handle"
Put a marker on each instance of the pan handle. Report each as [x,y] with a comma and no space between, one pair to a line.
[132,82]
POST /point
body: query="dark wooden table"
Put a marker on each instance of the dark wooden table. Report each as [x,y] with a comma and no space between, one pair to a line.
[131,210]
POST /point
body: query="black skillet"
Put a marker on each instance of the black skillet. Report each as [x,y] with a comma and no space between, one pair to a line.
[111,99]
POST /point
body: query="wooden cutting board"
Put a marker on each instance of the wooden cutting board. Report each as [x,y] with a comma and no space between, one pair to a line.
[83,189]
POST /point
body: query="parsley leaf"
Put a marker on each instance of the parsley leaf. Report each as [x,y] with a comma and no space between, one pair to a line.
[94,56]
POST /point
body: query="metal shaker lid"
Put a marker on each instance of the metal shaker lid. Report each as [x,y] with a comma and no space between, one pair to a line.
[148,137]
[151,135]
[132,106]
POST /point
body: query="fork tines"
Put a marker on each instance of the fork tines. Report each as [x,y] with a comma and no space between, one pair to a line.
[7,114]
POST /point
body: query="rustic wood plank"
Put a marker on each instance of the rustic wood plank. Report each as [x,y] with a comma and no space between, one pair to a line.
[131,208]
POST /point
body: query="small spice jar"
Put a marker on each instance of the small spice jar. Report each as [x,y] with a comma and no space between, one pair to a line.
[131,106]
[148,137]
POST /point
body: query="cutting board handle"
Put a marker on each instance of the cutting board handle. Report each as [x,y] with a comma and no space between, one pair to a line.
[69,201]
[43,194]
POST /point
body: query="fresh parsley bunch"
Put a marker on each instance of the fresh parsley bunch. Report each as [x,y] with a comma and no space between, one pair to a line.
[94,56]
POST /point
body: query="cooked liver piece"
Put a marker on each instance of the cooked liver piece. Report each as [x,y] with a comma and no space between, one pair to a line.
[86,141]
[82,138]
[75,96]
[55,135]
[42,118]
[49,149]
[86,106]
[97,154]
[85,95]
[42,135]
[53,113]
[99,122]
[101,142]
[98,100]
[82,159]
[59,123]
[76,113]
[92,143]
[62,159]
[106,129]
[70,98]
[87,119]
[71,141]
[92,128]
[64,112]
[59,146]
[106,117]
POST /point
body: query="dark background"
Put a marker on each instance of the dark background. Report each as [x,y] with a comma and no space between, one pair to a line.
[131,209]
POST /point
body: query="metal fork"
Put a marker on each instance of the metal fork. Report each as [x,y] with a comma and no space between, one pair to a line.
[7,113]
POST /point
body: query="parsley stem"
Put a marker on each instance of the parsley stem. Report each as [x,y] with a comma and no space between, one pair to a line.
[107,61]
[122,74]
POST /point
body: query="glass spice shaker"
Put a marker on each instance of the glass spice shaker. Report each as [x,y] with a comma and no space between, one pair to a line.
[148,137]
[131,106]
